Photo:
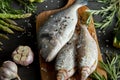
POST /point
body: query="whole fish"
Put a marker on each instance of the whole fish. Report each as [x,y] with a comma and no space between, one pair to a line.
[87,53]
[58,30]
[65,60]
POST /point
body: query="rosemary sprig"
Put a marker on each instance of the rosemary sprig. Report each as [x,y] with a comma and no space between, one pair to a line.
[111,66]
[97,76]
[28,7]
[5,7]
[107,13]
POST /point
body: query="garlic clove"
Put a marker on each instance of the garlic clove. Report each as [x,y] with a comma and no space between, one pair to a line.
[23,58]
[26,50]
[20,49]
[17,57]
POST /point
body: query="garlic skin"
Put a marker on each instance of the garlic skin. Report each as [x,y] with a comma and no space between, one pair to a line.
[23,55]
[9,71]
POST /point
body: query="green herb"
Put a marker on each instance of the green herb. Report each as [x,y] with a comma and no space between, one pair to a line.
[8,12]
[0,49]
[10,21]
[5,7]
[15,16]
[28,7]
[97,76]
[17,28]
[116,41]
[3,36]
[0,46]
[111,66]
[36,0]
[89,18]
[108,13]
[6,29]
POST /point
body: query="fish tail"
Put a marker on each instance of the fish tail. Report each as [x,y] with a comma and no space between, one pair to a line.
[84,73]
[62,75]
[83,2]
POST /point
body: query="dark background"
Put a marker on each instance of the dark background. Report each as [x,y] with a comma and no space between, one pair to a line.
[32,72]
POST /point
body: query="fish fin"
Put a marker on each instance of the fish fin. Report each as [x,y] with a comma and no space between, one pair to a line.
[62,75]
[84,73]
[71,72]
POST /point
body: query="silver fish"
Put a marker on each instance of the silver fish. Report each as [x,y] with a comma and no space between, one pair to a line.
[87,56]
[58,30]
[65,60]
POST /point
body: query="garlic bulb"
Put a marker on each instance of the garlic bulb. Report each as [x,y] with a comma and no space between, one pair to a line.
[9,71]
[8,64]
[23,55]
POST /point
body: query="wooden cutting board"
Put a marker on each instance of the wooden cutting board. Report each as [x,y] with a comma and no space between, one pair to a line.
[47,70]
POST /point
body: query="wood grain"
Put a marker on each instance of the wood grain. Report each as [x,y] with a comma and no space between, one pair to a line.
[47,70]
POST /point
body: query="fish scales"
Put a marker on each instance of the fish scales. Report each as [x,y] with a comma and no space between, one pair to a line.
[87,56]
[58,30]
[66,56]
[66,60]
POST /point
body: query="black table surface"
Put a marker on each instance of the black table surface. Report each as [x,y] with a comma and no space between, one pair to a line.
[32,72]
